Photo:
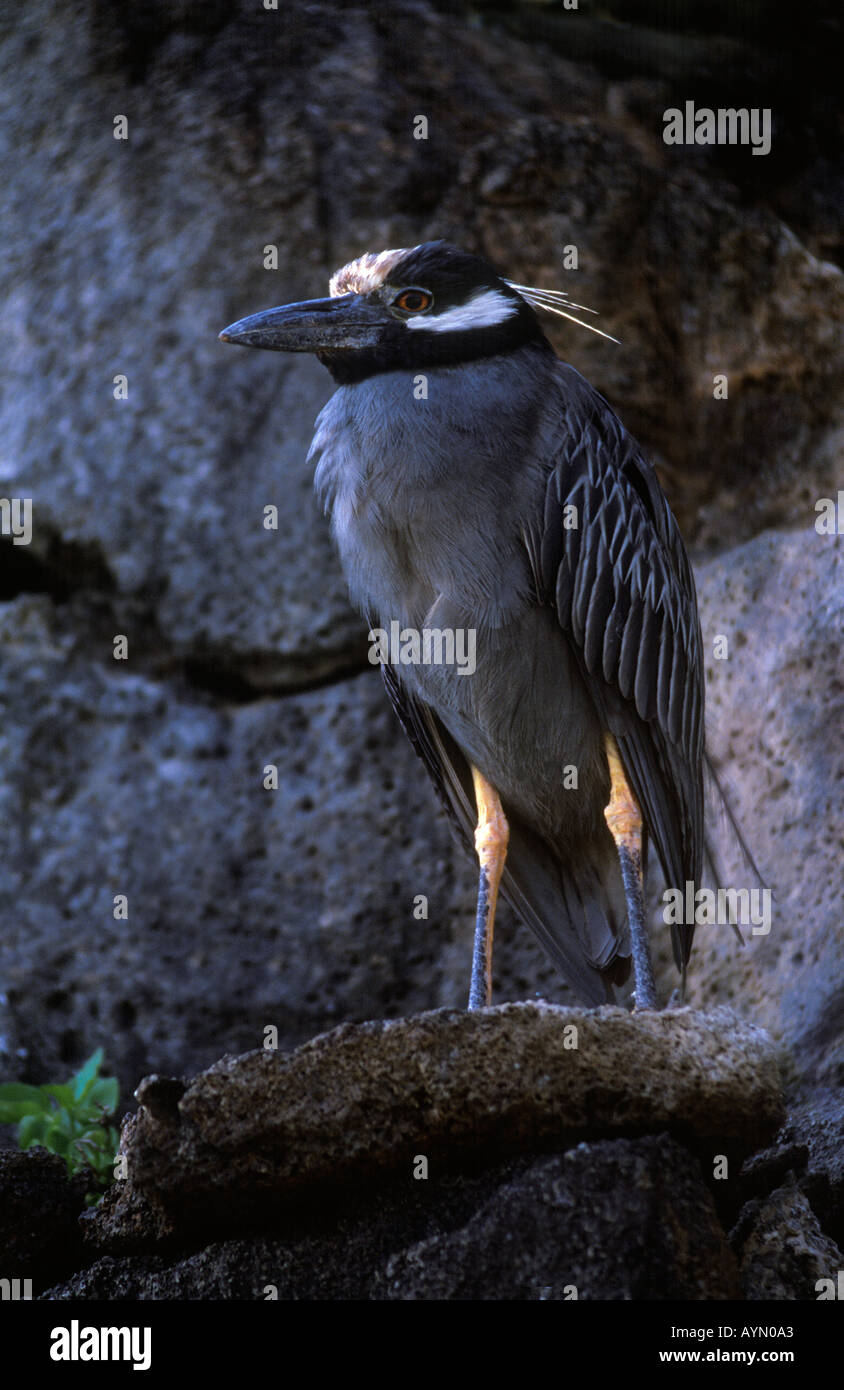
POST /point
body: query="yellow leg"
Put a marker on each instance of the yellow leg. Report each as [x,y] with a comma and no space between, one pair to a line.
[624,819]
[491,839]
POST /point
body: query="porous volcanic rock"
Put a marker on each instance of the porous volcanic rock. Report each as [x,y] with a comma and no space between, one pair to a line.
[269,1130]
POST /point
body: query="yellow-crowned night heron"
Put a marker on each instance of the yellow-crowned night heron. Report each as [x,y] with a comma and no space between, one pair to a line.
[476,483]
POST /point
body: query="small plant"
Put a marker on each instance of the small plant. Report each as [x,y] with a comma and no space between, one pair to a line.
[69,1120]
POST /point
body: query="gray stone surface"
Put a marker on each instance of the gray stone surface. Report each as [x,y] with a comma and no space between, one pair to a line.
[809,1150]
[785,1253]
[267,1131]
[128,257]
[560,1232]
[247,907]
[775,721]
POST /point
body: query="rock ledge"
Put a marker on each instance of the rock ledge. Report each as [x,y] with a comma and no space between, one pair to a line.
[358,1104]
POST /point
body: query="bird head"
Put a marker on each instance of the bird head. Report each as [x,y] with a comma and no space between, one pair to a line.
[408,308]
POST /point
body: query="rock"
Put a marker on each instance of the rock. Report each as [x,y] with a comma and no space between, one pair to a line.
[268,1131]
[537,1229]
[124,1222]
[167,487]
[39,1210]
[785,1253]
[248,908]
[110,1278]
[258,132]
[563,1231]
[656,63]
[773,711]
[816,1125]
[337,1250]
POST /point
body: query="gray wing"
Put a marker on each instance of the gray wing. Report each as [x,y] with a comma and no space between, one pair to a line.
[624,593]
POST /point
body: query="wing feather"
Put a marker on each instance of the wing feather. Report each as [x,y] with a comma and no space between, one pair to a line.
[624,594]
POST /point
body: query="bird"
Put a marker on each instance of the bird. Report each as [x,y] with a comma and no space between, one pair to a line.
[477,484]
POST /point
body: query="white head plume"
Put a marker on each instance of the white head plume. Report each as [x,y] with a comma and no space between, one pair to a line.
[557,302]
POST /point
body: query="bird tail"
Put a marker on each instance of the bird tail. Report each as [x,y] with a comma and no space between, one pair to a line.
[577,911]
[578,914]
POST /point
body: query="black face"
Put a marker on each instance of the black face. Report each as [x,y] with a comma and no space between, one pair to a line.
[436,305]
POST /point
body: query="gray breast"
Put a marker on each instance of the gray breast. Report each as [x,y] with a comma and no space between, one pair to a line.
[428,500]
[425,494]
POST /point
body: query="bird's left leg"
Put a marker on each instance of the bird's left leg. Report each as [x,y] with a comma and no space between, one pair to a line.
[624,819]
[491,838]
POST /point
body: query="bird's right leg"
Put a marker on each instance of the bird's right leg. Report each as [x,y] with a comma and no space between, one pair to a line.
[491,839]
[624,819]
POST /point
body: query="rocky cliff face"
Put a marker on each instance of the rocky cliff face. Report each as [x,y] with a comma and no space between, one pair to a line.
[249,129]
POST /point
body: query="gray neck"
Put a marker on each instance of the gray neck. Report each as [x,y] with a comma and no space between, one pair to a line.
[416,469]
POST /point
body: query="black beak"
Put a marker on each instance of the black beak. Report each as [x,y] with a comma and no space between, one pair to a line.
[318,325]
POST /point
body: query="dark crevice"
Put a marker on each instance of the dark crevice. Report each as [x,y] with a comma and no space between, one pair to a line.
[129,37]
[59,568]
[78,580]
[228,683]
[223,682]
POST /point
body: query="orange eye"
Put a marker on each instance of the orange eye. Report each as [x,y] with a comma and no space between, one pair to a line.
[413,301]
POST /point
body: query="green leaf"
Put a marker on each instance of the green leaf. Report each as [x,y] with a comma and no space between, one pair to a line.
[95,1152]
[87,1074]
[69,1120]
[65,1123]
[105,1093]
[33,1129]
[18,1099]
[57,1142]
[62,1093]
[95,1134]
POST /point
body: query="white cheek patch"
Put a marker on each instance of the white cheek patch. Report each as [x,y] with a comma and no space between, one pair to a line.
[484,311]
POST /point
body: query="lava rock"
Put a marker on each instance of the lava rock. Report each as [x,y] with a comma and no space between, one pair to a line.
[610,1220]
[785,1253]
[606,1220]
[267,1132]
[39,1210]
